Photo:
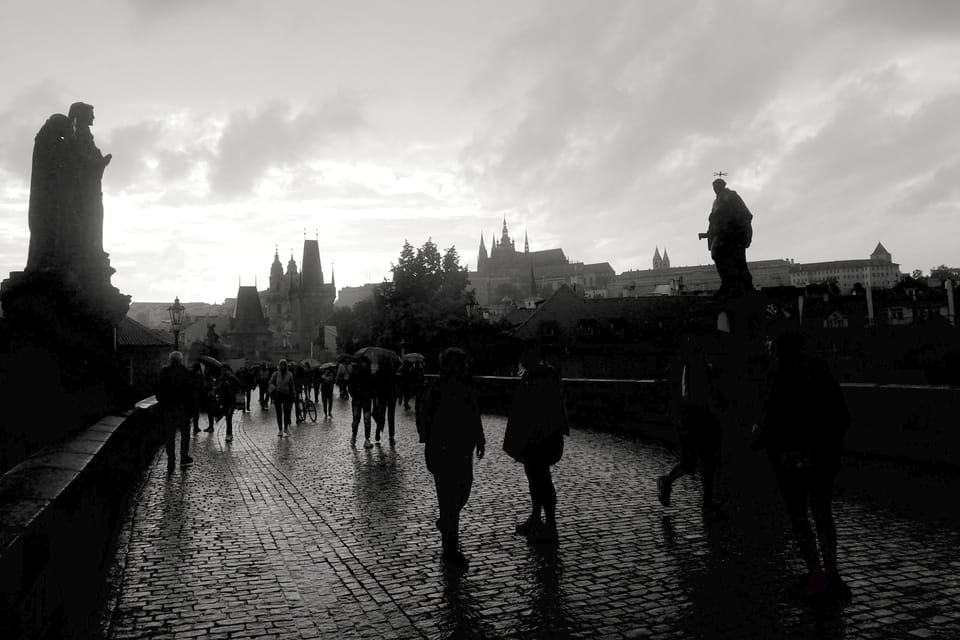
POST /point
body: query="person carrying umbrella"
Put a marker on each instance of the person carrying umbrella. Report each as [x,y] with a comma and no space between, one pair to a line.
[385,400]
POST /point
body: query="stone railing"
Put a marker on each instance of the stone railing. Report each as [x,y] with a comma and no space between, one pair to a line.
[917,423]
[60,511]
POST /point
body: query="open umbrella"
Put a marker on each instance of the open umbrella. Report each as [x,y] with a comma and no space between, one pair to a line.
[213,362]
[313,362]
[376,355]
[414,357]
[328,365]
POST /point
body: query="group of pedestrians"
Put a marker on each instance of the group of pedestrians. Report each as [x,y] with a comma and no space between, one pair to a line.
[449,425]
[802,424]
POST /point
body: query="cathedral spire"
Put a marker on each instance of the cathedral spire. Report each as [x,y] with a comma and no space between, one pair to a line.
[657,260]
[526,243]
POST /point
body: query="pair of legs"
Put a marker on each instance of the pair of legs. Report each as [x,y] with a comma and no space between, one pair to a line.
[283,406]
[812,487]
[264,396]
[361,408]
[316,393]
[246,399]
[699,440]
[453,481]
[326,397]
[228,418]
[175,420]
[543,495]
[386,411]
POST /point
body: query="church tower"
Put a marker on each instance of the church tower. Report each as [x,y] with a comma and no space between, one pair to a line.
[657,260]
[666,259]
[526,243]
[276,272]
[482,256]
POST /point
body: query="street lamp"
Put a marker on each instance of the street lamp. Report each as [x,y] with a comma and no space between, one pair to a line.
[176,321]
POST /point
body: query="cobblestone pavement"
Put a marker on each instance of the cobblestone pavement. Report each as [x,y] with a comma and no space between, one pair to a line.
[305,537]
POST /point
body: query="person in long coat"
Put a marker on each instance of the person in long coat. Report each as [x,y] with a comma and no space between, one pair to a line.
[536,426]
[448,423]
[803,428]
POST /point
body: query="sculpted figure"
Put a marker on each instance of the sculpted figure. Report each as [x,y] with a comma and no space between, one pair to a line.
[52,180]
[66,198]
[90,166]
[728,236]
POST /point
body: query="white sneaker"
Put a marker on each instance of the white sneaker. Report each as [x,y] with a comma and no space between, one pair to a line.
[367,444]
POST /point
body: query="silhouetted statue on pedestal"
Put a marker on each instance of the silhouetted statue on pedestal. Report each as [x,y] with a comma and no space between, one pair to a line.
[60,314]
[66,199]
[728,236]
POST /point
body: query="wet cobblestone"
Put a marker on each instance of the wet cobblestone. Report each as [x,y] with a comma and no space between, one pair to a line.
[305,537]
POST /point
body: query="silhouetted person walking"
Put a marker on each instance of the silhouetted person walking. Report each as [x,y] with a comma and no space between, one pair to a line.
[534,437]
[263,385]
[175,397]
[326,391]
[695,408]
[448,423]
[199,385]
[805,421]
[229,388]
[385,400]
[360,382]
[282,391]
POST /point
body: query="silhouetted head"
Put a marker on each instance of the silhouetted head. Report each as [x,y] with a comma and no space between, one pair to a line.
[282,365]
[364,362]
[226,369]
[81,113]
[454,364]
[197,368]
[175,358]
[719,185]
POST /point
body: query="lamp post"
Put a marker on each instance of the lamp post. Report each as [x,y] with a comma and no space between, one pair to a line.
[176,321]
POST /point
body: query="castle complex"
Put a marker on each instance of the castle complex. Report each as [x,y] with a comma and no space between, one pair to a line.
[507,272]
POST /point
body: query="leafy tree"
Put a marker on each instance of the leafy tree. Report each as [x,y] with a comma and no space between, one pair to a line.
[943,272]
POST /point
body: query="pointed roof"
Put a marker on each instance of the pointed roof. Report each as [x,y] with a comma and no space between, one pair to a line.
[656,254]
[880,249]
[247,313]
[310,266]
[526,243]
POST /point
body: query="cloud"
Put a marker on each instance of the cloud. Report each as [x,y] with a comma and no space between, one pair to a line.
[276,135]
[621,115]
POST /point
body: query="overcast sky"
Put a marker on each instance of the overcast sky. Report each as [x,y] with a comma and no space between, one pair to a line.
[594,126]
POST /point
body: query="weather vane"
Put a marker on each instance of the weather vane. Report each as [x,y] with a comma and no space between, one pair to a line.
[719,174]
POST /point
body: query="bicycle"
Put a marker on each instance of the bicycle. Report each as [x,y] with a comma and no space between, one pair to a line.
[305,407]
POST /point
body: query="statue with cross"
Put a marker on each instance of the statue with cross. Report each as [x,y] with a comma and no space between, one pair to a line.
[728,235]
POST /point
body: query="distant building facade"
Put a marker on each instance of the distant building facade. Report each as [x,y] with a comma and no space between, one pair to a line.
[878,272]
[298,302]
[249,334]
[664,279]
[508,272]
[349,296]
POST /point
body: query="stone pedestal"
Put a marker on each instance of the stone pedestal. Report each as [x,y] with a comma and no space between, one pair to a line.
[58,356]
